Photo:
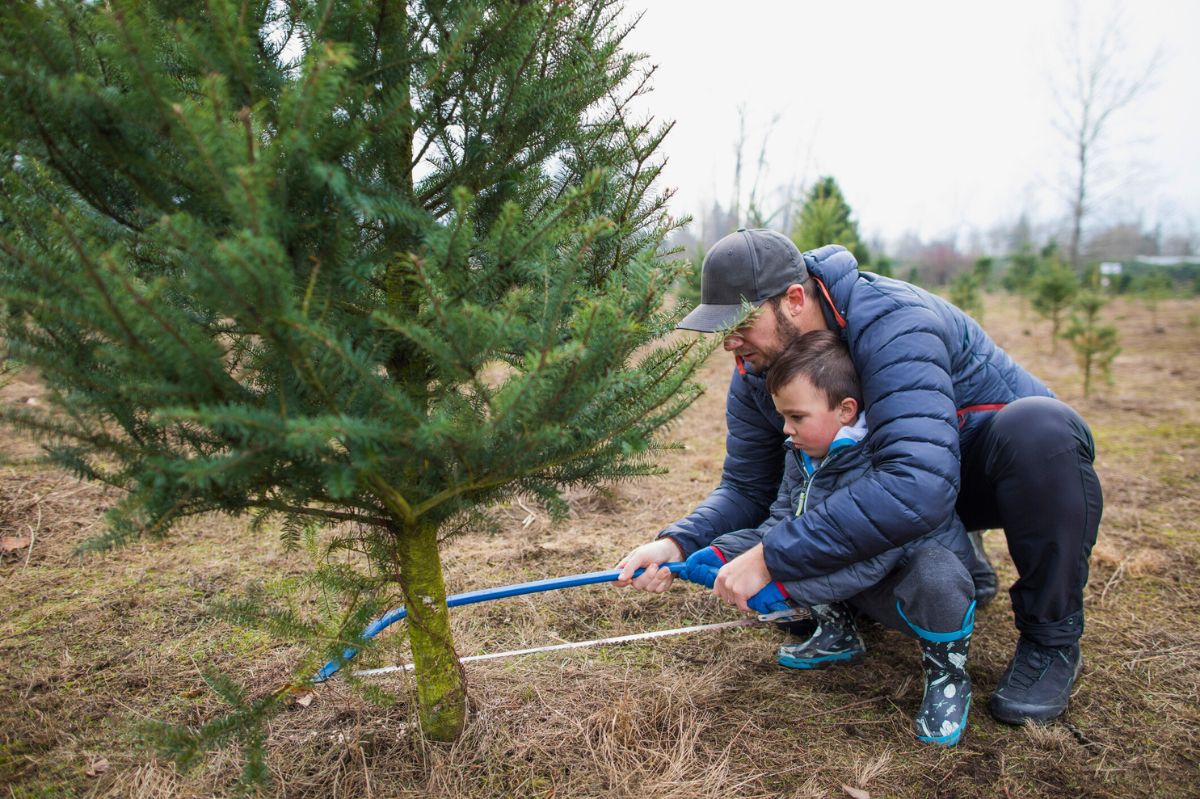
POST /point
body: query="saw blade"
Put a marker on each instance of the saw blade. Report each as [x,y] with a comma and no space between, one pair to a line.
[619,639]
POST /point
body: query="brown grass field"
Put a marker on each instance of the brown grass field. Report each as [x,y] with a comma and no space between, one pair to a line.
[93,648]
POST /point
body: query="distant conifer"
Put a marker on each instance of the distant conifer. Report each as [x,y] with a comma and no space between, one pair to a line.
[825,218]
[1051,291]
[1095,345]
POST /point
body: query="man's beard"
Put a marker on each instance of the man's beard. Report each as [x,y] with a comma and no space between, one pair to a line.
[786,333]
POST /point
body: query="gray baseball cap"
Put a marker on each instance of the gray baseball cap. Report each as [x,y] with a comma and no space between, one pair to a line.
[749,266]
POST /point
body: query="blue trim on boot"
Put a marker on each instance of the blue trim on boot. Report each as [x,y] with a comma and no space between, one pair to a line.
[815,663]
[967,628]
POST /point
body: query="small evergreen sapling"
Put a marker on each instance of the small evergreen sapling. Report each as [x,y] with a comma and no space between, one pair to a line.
[374,265]
[1022,266]
[1154,287]
[1052,290]
[1095,345]
[965,293]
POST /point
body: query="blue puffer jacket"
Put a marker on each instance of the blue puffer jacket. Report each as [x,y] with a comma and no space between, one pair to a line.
[804,486]
[924,366]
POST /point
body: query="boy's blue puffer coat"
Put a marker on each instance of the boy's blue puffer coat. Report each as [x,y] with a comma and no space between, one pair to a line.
[920,360]
[800,490]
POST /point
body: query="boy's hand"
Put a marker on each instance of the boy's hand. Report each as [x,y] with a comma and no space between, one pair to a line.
[742,578]
[650,556]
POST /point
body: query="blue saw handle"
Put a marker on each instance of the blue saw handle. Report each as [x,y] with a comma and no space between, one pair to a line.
[483,595]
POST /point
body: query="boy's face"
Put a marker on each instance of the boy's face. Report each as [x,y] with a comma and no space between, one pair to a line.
[807,417]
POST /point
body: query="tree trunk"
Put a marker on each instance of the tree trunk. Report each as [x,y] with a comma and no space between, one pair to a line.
[441,683]
[1078,209]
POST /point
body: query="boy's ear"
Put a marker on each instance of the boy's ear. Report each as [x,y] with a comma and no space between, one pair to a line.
[847,410]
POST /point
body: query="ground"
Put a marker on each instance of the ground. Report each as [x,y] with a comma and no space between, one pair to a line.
[94,648]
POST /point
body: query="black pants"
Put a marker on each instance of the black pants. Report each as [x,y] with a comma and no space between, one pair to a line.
[1029,471]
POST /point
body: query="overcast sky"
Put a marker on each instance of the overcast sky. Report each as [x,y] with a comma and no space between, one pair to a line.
[933,116]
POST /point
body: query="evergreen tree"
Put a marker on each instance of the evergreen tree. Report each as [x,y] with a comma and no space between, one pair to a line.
[1021,267]
[1095,344]
[964,292]
[884,266]
[983,270]
[1052,290]
[1153,287]
[368,264]
[688,289]
[825,218]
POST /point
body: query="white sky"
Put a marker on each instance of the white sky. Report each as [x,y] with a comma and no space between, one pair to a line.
[933,116]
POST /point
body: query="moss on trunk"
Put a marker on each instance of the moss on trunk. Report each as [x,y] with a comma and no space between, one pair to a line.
[441,683]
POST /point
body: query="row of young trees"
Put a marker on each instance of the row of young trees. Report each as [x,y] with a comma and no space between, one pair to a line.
[1055,292]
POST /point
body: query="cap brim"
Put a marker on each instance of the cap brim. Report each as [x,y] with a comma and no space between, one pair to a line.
[712,318]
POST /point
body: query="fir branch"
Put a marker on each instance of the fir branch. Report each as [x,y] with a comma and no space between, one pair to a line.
[321,513]
[94,275]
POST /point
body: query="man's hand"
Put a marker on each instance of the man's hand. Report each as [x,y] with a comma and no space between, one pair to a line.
[650,557]
[742,578]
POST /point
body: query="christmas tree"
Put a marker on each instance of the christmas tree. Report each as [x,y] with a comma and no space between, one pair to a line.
[370,264]
[825,218]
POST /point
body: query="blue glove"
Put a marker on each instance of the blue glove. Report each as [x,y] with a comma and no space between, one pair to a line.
[702,567]
[769,600]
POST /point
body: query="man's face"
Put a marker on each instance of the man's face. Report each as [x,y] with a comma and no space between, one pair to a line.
[807,417]
[760,341]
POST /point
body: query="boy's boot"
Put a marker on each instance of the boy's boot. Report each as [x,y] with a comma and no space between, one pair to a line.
[942,718]
[835,640]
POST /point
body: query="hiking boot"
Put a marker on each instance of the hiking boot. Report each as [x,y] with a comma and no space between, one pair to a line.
[835,640]
[983,574]
[942,719]
[1036,686]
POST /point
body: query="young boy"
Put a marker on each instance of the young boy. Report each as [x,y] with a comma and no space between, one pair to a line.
[923,589]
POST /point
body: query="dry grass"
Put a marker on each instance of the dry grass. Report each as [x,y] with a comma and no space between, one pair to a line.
[95,647]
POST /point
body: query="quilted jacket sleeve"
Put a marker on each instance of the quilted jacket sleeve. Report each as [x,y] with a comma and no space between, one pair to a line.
[750,478]
[737,542]
[902,356]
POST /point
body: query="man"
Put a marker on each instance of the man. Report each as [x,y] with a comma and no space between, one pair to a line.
[954,424]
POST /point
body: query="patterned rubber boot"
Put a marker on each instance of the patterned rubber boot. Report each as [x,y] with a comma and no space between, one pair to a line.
[942,719]
[835,640]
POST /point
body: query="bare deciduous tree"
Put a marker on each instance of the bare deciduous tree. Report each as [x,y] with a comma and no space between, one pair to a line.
[1094,86]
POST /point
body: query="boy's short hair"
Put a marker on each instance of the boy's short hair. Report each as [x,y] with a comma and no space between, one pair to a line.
[821,358]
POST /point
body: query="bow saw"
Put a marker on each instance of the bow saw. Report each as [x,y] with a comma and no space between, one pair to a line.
[539,586]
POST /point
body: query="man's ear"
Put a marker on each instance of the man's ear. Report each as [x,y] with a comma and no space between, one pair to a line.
[847,410]
[795,298]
